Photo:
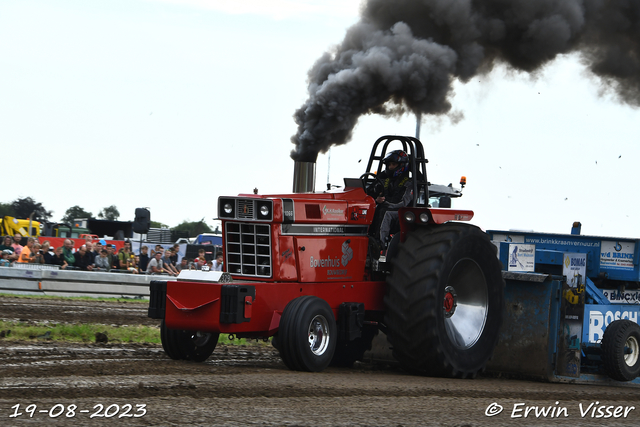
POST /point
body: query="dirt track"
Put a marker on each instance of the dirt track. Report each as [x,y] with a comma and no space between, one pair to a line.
[251,386]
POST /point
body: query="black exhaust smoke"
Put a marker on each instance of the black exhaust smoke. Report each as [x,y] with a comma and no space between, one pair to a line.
[405,54]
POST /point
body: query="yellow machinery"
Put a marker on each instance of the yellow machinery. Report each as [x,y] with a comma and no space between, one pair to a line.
[26,227]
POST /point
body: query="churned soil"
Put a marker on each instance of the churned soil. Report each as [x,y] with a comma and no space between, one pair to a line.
[124,312]
[53,383]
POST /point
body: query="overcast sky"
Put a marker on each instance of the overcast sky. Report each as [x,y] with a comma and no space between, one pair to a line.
[171,104]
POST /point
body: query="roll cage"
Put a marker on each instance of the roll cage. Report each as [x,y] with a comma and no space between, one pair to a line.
[417,163]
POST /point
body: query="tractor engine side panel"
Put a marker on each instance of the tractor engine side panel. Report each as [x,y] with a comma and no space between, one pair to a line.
[331,258]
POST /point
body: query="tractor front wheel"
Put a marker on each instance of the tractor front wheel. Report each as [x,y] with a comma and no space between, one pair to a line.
[307,334]
[444,301]
[187,345]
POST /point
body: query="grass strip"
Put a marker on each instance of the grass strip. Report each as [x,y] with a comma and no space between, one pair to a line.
[87,333]
[50,297]
[38,331]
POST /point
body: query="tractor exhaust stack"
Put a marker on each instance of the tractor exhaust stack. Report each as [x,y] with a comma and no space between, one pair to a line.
[304,177]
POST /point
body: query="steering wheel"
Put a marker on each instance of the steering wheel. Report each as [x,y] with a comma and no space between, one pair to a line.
[368,180]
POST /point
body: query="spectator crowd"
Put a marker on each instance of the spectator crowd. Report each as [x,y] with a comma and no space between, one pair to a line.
[102,256]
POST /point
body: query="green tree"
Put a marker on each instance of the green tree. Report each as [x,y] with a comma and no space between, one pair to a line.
[6,210]
[110,213]
[193,228]
[22,208]
[156,224]
[75,212]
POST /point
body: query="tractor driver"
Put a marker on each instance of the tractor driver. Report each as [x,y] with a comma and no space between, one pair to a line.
[391,193]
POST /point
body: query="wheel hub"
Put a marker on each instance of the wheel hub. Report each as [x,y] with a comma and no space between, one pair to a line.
[450,301]
[319,335]
[200,338]
[465,304]
[631,348]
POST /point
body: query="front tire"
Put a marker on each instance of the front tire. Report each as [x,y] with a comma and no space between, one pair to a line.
[444,301]
[307,334]
[621,350]
[187,345]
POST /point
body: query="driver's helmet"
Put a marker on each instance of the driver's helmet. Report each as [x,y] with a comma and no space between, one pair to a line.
[397,156]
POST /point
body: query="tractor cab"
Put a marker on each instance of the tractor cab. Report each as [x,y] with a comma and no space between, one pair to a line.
[423,209]
[417,166]
[429,195]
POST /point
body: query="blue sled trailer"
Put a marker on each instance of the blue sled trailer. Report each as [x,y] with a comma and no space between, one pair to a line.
[572,304]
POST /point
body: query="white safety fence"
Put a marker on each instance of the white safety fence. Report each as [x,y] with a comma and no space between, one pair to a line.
[33,279]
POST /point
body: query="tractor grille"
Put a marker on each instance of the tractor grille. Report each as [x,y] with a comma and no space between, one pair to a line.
[245,209]
[248,249]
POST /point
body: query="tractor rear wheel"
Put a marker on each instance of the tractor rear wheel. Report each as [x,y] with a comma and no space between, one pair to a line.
[444,301]
[307,334]
[187,345]
[621,350]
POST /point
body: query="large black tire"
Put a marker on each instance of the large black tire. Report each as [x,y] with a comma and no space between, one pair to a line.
[347,353]
[392,249]
[621,350]
[170,342]
[444,301]
[307,334]
[187,345]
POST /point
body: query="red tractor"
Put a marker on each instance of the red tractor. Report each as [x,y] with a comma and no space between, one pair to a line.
[299,268]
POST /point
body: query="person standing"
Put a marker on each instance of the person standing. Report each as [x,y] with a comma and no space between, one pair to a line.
[25,253]
[218,262]
[184,264]
[67,252]
[126,260]
[155,265]
[4,260]
[175,249]
[83,259]
[113,257]
[200,260]
[89,246]
[7,245]
[101,262]
[48,256]
[58,258]
[17,247]
[144,259]
[168,265]
[97,248]
[37,256]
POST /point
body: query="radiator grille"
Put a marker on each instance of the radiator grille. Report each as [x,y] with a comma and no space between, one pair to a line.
[248,249]
[245,209]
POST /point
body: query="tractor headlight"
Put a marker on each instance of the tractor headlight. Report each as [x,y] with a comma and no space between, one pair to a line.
[424,217]
[227,208]
[264,208]
[409,216]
